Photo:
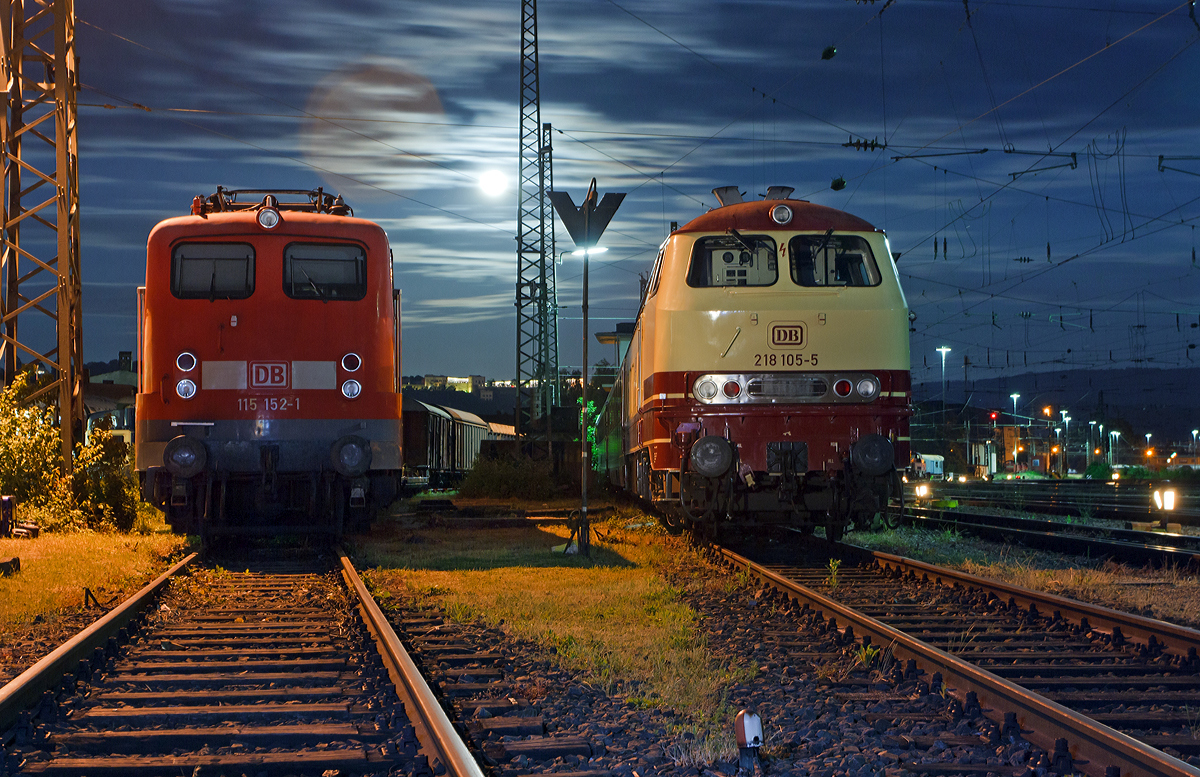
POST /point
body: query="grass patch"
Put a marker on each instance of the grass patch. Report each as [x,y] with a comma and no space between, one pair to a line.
[55,568]
[613,619]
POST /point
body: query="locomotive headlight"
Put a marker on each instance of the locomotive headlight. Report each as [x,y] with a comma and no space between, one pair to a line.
[186,362]
[351,362]
[185,456]
[868,388]
[781,214]
[711,456]
[351,455]
[268,218]
[185,388]
[706,390]
[351,389]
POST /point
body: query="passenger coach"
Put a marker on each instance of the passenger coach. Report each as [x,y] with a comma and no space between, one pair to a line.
[269,342]
[767,380]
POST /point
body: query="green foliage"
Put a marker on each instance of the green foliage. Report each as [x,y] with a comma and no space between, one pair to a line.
[834,565]
[865,655]
[101,492]
[506,477]
[1098,470]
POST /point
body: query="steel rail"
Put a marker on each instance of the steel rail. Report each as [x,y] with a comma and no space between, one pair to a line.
[1056,541]
[1094,747]
[433,727]
[1189,542]
[1175,639]
[27,688]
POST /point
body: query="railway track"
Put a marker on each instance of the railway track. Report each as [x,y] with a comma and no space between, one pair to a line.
[1101,692]
[1121,501]
[1132,546]
[288,667]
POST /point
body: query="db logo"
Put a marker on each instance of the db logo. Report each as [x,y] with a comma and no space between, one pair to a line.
[268,374]
[787,334]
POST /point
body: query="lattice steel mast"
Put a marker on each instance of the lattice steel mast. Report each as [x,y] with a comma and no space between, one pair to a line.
[537,310]
[39,263]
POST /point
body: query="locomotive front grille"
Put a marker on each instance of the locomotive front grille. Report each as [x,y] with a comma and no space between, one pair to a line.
[795,387]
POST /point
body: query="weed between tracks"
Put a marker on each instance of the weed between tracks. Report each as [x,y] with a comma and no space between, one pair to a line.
[614,619]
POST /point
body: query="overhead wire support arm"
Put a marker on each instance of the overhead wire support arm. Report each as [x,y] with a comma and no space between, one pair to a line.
[1163,168]
[1074,163]
[944,153]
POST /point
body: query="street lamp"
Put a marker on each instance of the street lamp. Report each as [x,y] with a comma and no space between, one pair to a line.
[1091,430]
[945,349]
[1194,433]
[585,252]
[1016,430]
[1066,441]
[1112,448]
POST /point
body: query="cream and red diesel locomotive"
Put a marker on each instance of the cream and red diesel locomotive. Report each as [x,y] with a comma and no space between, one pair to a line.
[768,378]
[269,381]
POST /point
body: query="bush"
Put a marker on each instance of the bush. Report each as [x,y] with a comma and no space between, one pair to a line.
[101,491]
[506,477]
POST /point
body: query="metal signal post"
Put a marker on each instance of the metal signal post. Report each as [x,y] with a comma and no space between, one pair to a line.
[39,261]
[585,225]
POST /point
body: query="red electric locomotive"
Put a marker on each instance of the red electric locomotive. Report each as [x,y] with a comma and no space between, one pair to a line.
[269,342]
[767,380]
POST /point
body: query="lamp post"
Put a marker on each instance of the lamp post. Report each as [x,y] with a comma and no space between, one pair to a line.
[945,349]
[585,223]
[1194,433]
[1091,429]
[1112,448]
[1016,430]
[1058,436]
[585,423]
[1066,441]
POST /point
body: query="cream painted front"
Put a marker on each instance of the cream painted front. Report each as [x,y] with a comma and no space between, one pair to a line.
[682,328]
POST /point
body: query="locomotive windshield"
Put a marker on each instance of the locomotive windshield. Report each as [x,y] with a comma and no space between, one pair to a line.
[325,271]
[833,260]
[733,260]
[212,271]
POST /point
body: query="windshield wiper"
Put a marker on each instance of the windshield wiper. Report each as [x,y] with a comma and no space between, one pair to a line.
[738,237]
[824,242]
[212,286]
[313,283]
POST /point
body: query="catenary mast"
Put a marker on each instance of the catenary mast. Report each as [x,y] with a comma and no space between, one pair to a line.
[39,260]
[537,308]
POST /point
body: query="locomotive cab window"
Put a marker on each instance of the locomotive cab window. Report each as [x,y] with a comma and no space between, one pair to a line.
[325,271]
[733,260]
[212,271]
[833,260]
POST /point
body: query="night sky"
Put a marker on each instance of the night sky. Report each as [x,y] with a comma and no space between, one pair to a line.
[1050,261]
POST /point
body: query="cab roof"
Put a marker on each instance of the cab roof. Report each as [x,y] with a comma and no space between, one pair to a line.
[756,217]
